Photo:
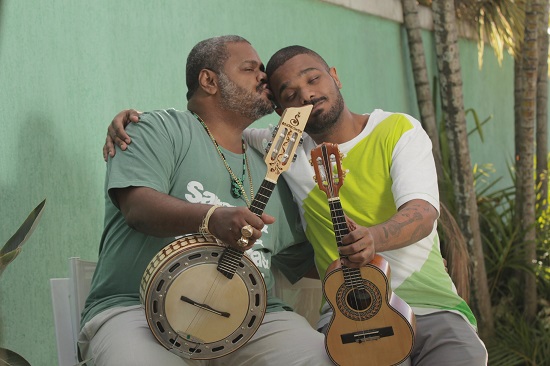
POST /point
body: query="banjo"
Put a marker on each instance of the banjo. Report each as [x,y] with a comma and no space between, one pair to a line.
[203,299]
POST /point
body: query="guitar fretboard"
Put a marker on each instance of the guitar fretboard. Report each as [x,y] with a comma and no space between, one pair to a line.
[352,276]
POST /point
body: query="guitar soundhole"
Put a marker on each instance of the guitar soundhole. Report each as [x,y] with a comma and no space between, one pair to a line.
[174,267]
[159,286]
[155,307]
[252,321]
[237,338]
[215,254]
[358,299]
[257,297]
[195,350]
[360,302]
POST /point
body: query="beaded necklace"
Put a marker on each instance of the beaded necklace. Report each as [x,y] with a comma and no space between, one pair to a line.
[237,187]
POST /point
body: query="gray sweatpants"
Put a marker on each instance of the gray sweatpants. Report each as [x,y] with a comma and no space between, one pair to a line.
[443,338]
[121,336]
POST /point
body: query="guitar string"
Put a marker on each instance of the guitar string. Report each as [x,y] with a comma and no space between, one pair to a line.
[357,301]
[355,283]
[341,222]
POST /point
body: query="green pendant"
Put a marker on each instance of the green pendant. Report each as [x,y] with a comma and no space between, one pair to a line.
[235,189]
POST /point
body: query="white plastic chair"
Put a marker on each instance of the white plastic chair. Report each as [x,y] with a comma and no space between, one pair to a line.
[68,298]
[304,296]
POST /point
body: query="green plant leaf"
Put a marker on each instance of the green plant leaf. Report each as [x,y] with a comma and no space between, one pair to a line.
[10,358]
[7,258]
[25,231]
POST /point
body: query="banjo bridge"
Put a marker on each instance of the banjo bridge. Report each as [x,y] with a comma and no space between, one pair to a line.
[205,307]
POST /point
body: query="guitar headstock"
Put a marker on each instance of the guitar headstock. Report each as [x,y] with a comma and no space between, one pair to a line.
[287,136]
[329,176]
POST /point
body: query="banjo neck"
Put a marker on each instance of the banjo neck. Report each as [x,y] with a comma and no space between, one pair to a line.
[279,154]
[231,257]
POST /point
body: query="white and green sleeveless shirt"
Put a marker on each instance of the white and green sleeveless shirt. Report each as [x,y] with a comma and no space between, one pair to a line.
[388,164]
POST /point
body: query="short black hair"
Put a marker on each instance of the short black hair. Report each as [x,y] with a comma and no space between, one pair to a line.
[286,53]
[208,54]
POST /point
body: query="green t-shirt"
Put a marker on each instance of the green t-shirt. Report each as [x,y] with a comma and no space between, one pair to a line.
[171,153]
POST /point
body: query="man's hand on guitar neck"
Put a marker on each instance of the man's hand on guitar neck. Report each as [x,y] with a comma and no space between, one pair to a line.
[413,221]
[116,135]
[358,249]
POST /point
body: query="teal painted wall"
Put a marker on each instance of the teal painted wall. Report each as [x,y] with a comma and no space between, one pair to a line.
[67,67]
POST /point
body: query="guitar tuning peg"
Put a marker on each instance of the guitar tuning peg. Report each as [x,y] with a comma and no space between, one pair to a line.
[315,178]
[295,157]
[268,147]
[301,141]
[344,173]
[342,155]
[310,162]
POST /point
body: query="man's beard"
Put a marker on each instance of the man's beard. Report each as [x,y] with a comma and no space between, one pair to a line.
[322,123]
[238,99]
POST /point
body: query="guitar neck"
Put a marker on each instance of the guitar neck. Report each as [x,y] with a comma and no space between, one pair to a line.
[338,219]
[352,276]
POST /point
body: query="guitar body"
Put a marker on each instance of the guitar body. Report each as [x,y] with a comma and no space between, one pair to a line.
[192,308]
[369,324]
[369,321]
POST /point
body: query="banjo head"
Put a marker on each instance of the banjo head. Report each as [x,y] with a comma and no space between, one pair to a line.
[195,311]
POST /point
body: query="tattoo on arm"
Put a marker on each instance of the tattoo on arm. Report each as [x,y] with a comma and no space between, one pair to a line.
[407,227]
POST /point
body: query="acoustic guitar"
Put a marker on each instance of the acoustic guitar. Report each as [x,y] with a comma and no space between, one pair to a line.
[202,298]
[369,324]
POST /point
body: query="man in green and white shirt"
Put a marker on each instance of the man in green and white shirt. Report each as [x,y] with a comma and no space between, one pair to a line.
[390,192]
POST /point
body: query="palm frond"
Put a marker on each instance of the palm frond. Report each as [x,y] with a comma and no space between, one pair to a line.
[518,342]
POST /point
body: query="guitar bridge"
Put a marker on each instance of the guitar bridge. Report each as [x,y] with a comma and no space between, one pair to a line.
[367,335]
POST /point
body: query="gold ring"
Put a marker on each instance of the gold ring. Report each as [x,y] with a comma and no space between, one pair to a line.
[242,242]
[247,231]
